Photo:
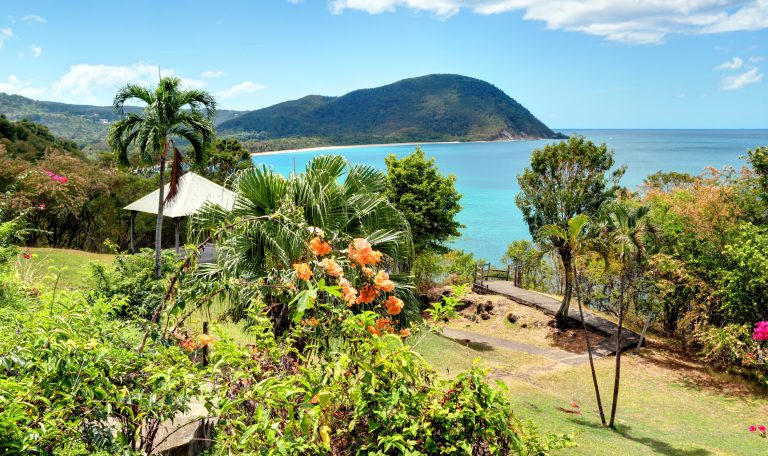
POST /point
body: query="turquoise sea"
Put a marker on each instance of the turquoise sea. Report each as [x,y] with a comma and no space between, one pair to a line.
[486,172]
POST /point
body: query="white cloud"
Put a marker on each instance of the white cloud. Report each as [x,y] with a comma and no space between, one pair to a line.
[36,51]
[212,74]
[97,84]
[647,21]
[33,18]
[16,86]
[5,33]
[240,89]
[734,64]
[756,59]
[752,76]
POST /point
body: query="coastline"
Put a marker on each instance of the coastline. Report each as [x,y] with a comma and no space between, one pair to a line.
[355,146]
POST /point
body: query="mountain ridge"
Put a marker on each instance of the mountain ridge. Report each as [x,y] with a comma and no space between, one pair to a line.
[438,107]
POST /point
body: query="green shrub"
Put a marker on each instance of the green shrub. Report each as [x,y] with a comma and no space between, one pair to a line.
[133,279]
[68,367]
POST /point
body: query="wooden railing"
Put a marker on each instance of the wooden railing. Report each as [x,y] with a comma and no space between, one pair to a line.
[484,272]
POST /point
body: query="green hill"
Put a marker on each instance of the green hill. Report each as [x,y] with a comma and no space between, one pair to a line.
[84,124]
[437,107]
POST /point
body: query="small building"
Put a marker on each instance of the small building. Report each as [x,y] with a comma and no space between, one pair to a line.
[193,193]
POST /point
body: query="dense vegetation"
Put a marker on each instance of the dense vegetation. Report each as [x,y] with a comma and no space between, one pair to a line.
[73,200]
[83,124]
[427,108]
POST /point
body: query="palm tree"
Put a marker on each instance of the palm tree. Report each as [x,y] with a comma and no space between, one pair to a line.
[170,113]
[346,201]
[580,238]
[625,230]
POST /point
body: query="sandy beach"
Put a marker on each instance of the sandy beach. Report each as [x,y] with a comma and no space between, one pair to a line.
[354,146]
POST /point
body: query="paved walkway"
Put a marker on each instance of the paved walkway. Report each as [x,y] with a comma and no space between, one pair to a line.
[549,305]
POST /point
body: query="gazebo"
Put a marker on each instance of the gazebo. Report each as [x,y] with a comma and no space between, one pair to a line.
[194,192]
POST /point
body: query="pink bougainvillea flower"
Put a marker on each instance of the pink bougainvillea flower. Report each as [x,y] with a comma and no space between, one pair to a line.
[761,428]
[55,177]
[761,331]
[752,428]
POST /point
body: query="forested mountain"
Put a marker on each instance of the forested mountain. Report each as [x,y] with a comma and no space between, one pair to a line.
[84,124]
[437,107]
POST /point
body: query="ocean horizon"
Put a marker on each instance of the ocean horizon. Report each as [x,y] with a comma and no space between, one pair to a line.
[486,171]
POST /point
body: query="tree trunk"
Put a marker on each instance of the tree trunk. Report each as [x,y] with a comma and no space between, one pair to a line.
[617,376]
[562,314]
[160,206]
[589,346]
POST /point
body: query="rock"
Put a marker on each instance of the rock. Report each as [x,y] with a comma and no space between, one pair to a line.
[479,309]
[524,325]
[485,315]
[488,306]
[512,318]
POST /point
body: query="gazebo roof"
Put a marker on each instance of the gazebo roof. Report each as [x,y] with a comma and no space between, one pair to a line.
[194,192]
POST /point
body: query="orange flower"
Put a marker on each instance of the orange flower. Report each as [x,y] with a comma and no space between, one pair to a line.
[362,253]
[319,247]
[367,295]
[188,344]
[332,268]
[312,321]
[373,330]
[302,271]
[405,332]
[384,324]
[205,340]
[368,271]
[393,305]
[383,283]
[348,292]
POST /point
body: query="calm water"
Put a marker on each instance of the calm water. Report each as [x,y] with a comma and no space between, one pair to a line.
[485,172]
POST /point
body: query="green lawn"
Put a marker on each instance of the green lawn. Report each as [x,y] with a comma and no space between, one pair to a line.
[667,405]
[72,264]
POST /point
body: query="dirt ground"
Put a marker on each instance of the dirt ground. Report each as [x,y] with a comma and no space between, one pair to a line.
[488,314]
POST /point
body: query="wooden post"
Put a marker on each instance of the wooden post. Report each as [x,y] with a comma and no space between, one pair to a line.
[133,229]
[474,275]
[205,347]
[176,223]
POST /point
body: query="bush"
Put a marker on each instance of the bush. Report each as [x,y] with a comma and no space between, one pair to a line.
[432,269]
[75,367]
[133,279]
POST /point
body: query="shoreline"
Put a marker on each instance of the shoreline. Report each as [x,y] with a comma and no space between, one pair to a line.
[354,146]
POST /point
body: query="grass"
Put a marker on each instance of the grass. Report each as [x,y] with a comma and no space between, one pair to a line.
[46,263]
[668,404]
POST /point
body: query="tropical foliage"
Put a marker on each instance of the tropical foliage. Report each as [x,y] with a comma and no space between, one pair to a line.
[427,199]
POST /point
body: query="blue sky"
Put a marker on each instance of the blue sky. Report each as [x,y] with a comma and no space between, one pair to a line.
[573,63]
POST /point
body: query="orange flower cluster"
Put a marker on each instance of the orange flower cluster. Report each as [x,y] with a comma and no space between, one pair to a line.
[312,321]
[373,330]
[188,344]
[383,283]
[405,332]
[205,340]
[367,295]
[394,305]
[348,292]
[368,271]
[332,268]
[362,253]
[303,271]
[319,247]
[383,325]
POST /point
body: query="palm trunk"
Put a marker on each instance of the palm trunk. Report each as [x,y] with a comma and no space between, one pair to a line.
[617,376]
[562,314]
[160,206]
[589,346]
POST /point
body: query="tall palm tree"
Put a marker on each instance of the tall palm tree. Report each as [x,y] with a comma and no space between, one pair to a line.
[170,113]
[625,231]
[580,238]
[346,201]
